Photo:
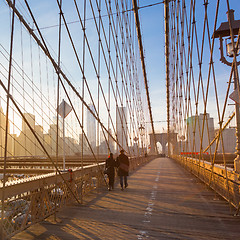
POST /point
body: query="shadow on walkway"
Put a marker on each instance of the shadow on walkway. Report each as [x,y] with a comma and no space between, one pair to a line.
[163,201]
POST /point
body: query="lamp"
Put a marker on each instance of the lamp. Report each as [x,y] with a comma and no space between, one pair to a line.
[230,47]
[232,50]
[142,132]
[135,139]
[224,32]
[141,128]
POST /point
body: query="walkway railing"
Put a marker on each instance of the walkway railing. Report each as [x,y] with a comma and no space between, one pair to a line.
[223,180]
[31,200]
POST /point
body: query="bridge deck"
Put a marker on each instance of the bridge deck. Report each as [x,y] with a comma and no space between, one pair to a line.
[163,201]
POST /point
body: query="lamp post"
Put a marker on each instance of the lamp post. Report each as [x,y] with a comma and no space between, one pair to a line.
[135,139]
[229,31]
[141,129]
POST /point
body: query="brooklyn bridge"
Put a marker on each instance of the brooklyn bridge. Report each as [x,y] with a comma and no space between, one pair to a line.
[157,80]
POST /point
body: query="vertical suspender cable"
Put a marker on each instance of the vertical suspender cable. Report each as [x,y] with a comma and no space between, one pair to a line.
[58,84]
[109,82]
[166,17]
[83,80]
[6,128]
[98,76]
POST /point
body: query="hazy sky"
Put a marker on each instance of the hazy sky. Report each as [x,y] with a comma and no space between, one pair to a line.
[152,26]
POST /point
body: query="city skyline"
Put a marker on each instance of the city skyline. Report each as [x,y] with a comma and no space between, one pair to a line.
[50,135]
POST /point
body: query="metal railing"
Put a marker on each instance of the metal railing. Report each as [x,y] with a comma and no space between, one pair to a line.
[31,200]
[222,180]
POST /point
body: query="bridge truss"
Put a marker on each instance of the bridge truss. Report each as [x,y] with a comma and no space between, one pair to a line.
[83,57]
[203,91]
[72,91]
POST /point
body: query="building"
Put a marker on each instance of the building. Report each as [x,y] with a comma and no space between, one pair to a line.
[27,142]
[106,142]
[121,126]
[30,119]
[2,135]
[229,140]
[111,142]
[83,144]
[91,127]
[194,132]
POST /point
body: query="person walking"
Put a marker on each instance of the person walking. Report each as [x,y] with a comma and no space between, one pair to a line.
[110,170]
[123,168]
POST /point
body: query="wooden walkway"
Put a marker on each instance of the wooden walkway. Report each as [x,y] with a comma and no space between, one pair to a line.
[163,201]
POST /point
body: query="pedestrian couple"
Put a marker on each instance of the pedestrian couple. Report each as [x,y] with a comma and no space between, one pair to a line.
[122,165]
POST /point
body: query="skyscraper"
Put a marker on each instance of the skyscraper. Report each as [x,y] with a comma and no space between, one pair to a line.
[31,120]
[91,127]
[195,129]
[121,123]
[28,141]
[229,140]
[83,145]
[3,132]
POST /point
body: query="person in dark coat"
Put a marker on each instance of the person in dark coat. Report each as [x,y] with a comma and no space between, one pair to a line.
[123,168]
[110,169]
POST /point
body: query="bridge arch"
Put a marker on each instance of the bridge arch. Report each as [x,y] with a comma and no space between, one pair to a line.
[162,138]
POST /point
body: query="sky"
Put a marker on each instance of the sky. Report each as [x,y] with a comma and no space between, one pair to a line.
[152,27]
[152,19]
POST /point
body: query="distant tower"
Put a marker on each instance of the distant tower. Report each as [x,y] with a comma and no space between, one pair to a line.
[121,122]
[30,119]
[229,140]
[83,144]
[3,132]
[26,138]
[198,131]
[111,142]
[91,127]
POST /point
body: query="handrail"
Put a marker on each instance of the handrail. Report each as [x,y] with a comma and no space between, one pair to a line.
[203,169]
[31,200]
